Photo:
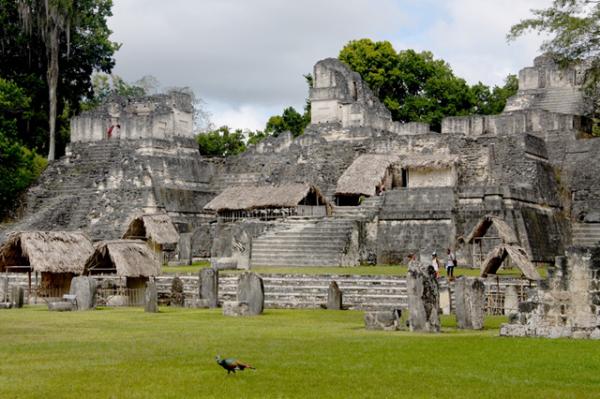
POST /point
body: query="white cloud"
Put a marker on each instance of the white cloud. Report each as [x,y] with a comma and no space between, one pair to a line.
[246,58]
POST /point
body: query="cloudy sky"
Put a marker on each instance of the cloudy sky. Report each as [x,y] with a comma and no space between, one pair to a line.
[246,58]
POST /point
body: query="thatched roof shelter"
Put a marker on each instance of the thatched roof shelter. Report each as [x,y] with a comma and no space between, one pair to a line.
[158,228]
[263,197]
[505,232]
[429,161]
[125,258]
[365,174]
[46,251]
[518,256]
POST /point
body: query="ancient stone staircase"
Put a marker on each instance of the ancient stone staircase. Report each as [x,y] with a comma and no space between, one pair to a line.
[304,242]
[308,291]
[586,234]
[564,100]
[367,210]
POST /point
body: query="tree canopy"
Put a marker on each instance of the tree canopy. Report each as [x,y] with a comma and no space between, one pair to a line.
[221,142]
[32,32]
[416,87]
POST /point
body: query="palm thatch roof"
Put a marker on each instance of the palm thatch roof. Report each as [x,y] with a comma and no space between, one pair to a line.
[265,196]
[429,161]
[365,174]
[125,258]
[156,227]
[505,232]
[518,256]
[46,251]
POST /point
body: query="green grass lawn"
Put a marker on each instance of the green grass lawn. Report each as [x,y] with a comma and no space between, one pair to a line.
[381,270]
[126,353]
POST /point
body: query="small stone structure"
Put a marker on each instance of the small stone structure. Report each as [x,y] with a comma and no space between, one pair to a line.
[334,297]
[208,287]
[251,291]
[469,295]
[151,298]
[388,320]
[236,308]
[568,305]
[18,296]
[445,300]
[61,306]
[511,300]
[423,298]
[84,289]
[177,296]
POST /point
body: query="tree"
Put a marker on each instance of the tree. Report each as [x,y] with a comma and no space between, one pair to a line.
[413,86]
[491,102]
[574,28]
[54,41]
[19,166]
[290,120]
[221,142]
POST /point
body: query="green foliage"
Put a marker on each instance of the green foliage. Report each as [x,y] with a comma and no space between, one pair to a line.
[256,137]
[103,85]
[25,61]
[415,87]
[290,120]
[221,142]
[574,29]
[126,353]
[19,166]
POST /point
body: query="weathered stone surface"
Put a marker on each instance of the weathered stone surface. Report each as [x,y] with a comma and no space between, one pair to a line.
[185,248]
[469,295]
[251,291]
[84,289]
[117,300]
[565,305]
[197,303]
[228,263]
[236,308]
[423,298]
[382,320]
[445,300]
[177,296]
[18,296]
[511,300]
[209,286]
[241,250]
[61,306]
[151,298]
[334,297]
[4,292]
[6,305]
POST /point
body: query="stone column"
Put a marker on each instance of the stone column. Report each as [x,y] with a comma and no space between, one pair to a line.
[470,302]
[208,287]
[423,298]
[334,297]
[445,300]
[177,294]
[241,250]
[84,289]
[18,296]
[251,290]
[511,300]
[151,298]
[185,248]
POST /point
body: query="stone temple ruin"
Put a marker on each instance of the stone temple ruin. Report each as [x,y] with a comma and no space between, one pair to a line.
[355,188]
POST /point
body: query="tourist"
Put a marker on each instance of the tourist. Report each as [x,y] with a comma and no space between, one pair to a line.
[450,265]
[435,263]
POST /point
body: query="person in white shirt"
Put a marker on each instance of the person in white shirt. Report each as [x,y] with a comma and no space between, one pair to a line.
[435,263]
[450,265]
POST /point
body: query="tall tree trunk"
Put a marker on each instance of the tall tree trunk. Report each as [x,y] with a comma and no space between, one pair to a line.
[52,75]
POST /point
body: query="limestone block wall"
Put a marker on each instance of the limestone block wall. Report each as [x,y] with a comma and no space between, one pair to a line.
[158,117]
[568,305]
